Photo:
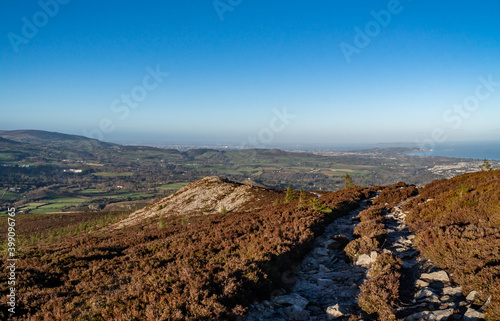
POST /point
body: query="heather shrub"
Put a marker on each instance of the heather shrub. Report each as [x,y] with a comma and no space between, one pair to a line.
[394,194]
[379,294]
[375,212]
[386,263]
[372,229]
[362,245]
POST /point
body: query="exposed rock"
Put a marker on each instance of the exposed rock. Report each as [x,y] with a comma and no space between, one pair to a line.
[440,276]
[473,315]
[452,291]
[421,284]
[321,251]
[325,282]
[364,260]
[332,245]
[431,315]
[292,299]
[335,311]
[472,296]
[424,293]
[298,313]
[324,269]
[373,256]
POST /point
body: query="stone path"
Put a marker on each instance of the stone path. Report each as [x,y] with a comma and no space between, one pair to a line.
[324,286]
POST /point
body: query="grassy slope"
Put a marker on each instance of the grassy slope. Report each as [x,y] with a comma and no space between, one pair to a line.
[458,226]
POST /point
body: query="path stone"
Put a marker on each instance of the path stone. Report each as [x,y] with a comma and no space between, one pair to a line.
[292,299]
[335,311]
[473,315]
[431,315]
[440,276]
[472,296]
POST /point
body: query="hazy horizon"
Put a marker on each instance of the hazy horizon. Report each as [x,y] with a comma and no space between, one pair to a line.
[256,74]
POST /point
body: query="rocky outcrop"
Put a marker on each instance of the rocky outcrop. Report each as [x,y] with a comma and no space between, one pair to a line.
[206,196]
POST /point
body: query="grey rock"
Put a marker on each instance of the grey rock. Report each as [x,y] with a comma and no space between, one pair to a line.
[424,293]
[431,315]
[325,283]
[440,276]
[472,296]
[421,284]
[373,256]
[321,251]
[292,299]
[473,315]
[452,291]
[297,313]
[364,260]
[336,311]
[332,245]
[324,269]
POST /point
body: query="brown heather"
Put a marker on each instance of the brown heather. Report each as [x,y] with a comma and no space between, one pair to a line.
[380,293]
[200,267]
[394,194]
[457,222]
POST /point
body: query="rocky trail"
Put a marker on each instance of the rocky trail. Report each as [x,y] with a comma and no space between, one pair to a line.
[325,286]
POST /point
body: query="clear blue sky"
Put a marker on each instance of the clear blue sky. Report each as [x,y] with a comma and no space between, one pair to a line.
[227,77]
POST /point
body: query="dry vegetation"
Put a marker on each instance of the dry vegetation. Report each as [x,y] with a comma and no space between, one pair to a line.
[457,223]
[175,267]
[380,293]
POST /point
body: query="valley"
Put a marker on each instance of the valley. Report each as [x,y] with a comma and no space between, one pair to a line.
[43,172]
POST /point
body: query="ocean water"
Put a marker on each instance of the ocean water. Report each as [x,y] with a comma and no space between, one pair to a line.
[484,150]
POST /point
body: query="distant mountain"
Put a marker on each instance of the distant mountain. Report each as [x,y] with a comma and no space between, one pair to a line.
[41,137]
[4,141]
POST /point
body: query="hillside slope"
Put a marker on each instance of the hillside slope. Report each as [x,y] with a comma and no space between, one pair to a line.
[457,223]
[175,267]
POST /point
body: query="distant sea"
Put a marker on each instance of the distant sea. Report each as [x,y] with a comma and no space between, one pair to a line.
[488,150]
[481,150]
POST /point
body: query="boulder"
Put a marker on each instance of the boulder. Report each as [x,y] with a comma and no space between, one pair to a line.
[364,260]
[421,284]
[473,315]
[452,291]
[321,251]
[440,276]
[332,245]
[292,299]
[335,311]
[472,296]
[325,283]
[431,315]
[297,313]
[424,293]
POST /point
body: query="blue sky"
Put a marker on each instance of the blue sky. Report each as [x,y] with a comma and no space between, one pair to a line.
[228,78]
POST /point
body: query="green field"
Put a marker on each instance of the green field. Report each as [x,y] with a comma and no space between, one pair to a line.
[111,174]
[11,196]
[173,186]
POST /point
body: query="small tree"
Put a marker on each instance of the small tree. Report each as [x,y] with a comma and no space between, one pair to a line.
[223,211]
[486,166]
[290,194]
[348,181]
